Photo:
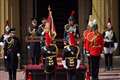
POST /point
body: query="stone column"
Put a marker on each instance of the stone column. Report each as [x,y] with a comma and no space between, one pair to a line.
[15,16]
[115,20]
[100,13]
[2,16]
[9,10]
[6,9]
[84,12]
[26,13]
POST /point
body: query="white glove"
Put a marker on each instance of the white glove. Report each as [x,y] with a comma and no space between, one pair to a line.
[28,47]
[48,52]
[44,48]
[5,57]
[102,55]
[78,63]
[88,54]
[18,54]
[115,46]
[64,64]
[1,44]
[68,48]
[42,33]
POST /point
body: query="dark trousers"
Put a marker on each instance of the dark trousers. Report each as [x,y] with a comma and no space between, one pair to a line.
[71,75]
[5,64]
[36,55]
[12,74]
[94,65]
[89,64]
[108,60]
[34,51]
[50,76]
[36,59]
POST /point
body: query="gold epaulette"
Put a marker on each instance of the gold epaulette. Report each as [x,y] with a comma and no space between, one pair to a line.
[66,46]
[65,27]
[78,52]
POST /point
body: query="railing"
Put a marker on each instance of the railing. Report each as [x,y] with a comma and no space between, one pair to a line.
[32,39]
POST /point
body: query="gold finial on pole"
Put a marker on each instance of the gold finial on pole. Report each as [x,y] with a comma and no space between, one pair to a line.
[49,8]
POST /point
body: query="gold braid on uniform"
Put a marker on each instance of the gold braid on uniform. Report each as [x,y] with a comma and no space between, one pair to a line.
[10,43]
[93,43]
[50,57]
[77,51]
[55,47]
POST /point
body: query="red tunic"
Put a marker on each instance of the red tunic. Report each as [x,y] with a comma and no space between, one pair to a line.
[85,45]
[71,39]
[48,39]
[96,44]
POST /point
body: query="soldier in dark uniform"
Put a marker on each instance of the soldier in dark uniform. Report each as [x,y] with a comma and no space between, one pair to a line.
[49,50]
[4,37]
[50,61]
[34,47]
[6,34]
[41,30]
[49,53]
[71,52]
[71,61]
[12,52]
[110,46]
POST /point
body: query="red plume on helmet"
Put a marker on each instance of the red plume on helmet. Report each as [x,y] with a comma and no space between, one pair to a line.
[72,16]
[71,39]
[72,13]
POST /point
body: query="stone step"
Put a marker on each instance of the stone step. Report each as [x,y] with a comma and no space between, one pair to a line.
[110,75]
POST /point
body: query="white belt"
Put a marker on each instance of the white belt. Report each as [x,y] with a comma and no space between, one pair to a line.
[106,40]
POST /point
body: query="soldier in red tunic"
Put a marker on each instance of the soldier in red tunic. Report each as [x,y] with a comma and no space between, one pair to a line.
[85,33]
[86,48]
[95,49]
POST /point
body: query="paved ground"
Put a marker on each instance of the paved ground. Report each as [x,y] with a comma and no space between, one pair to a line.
[4,75]
[104,75]
[109,75]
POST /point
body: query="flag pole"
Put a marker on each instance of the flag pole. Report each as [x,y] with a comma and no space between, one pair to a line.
[53,33]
